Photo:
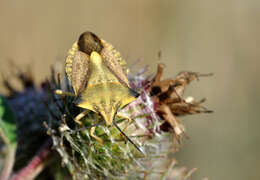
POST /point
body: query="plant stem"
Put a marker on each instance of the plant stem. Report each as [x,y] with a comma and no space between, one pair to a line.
[9,161]
[36,165]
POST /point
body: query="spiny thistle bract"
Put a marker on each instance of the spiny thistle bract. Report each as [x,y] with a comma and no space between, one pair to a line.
[155,128]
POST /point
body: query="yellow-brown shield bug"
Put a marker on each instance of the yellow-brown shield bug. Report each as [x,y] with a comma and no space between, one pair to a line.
[98,76]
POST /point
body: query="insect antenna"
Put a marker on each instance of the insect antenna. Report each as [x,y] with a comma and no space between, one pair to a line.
[127,137]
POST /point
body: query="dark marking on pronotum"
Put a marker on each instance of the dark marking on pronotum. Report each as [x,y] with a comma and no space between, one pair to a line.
[89,42]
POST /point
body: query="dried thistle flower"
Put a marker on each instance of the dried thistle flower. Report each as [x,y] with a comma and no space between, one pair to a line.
[170,103]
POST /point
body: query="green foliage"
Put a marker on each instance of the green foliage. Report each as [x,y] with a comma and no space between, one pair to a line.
[7,122]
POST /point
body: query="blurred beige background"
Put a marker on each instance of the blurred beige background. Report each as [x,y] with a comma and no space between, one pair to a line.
[219,36]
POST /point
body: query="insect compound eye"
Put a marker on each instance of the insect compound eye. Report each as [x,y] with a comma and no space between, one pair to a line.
[89,42]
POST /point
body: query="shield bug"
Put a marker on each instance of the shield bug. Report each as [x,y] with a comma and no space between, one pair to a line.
[98,76]
[77,61]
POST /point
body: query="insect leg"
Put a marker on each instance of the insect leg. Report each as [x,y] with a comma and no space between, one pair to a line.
[80,116]
[121,115]
[92,133]
[63,93]
[127,137]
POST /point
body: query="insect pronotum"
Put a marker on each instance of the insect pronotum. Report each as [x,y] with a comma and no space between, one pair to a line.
[98,76]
